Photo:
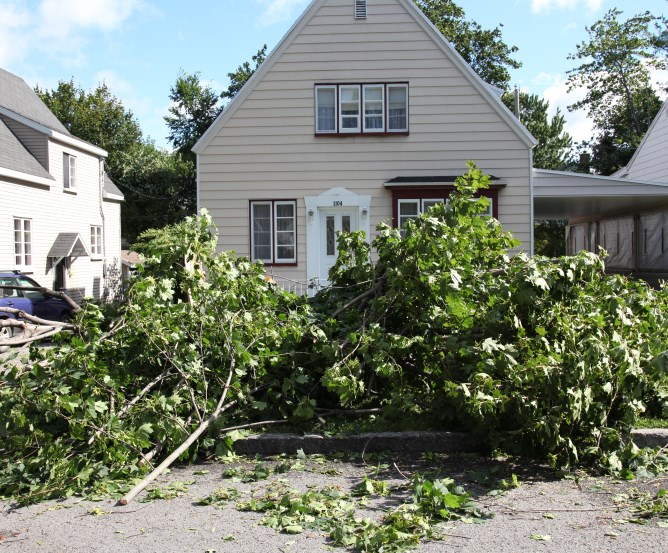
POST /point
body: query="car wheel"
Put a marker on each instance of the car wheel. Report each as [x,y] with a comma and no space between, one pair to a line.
[65,318]
[6,333]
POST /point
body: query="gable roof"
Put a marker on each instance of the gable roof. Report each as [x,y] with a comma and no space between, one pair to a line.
[483,88]
[110,190]
[626,171]
[15,157]
[18,97]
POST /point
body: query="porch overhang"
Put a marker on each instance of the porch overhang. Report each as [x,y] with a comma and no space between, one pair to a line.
[435,181]
[578,196]
[67,244]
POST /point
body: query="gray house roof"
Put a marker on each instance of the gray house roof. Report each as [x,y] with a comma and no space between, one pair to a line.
[110,187]
[15,156]
[18,97]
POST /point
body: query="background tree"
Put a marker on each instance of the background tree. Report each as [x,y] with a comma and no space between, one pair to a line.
[483,49]
[196,106]
[244,72]
[616,72]
[159,189]
[552,152]
[554,143]
[97,117]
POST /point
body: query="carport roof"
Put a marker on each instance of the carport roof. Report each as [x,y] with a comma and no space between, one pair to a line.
[572,196]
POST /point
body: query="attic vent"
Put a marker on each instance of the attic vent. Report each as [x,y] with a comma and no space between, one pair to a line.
[360,9]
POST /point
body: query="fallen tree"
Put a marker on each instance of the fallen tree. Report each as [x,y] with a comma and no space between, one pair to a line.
[549,358]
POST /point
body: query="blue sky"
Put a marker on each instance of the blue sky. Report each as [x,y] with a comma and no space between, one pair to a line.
[138,47]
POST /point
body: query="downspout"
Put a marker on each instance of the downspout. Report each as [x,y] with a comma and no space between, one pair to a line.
[104,227]
[531,203]
[197,181]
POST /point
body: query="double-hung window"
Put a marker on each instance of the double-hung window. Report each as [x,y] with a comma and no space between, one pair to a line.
[361,108]
[413,208]
[349,108]
[374,108]
[325,115]
[96,240]
[22,243]
[69,172]
[274,231]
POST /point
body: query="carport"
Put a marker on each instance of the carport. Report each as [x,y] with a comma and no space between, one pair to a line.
[627,218]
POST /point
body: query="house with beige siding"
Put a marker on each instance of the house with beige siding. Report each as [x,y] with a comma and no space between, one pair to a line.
[362,114]
[60,212]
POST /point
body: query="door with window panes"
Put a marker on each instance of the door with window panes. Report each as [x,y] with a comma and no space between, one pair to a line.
[332,222]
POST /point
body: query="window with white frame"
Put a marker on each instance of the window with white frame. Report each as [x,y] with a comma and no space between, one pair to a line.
[397,108]
[413,208]
[349,108]
[374,108]
[274,231]
[361,108]
[22,243]
[325,115]
[489,212]
[69,172]
[96,240]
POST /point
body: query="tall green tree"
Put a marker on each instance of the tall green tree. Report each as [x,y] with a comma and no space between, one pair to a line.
[159,189]
[554,143]
[483,49]
[244,72]
[615,70]
[97,117]
[196,106]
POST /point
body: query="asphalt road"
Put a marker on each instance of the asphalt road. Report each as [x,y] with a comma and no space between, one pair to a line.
[545,513]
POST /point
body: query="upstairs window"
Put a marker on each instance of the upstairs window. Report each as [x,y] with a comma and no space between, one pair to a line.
[349,108]
[374,108]
[325,115]
[69,172]
[397,120]
[274,231]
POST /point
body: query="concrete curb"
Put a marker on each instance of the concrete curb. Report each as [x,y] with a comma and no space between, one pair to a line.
[400,442]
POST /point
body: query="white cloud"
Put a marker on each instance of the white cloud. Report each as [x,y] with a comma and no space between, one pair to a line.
[538,6]
[60,19]
[13,42]
[556,93]
[57,26]
[277,11]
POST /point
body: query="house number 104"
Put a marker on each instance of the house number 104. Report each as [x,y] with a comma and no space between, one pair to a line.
[337,203]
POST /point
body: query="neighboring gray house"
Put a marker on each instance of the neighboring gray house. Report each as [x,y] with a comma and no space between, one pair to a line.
[626,214]
[363,113]
[60,213]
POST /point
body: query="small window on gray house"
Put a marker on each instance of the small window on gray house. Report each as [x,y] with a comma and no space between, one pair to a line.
[69,172]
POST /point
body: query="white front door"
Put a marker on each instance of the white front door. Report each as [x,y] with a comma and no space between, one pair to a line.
[331,222]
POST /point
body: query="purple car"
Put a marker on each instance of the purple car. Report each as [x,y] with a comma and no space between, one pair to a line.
[33,302]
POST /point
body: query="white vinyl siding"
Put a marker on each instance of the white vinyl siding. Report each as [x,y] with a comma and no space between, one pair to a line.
[274,231]
[22,243]
[69,172]
[96,240]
